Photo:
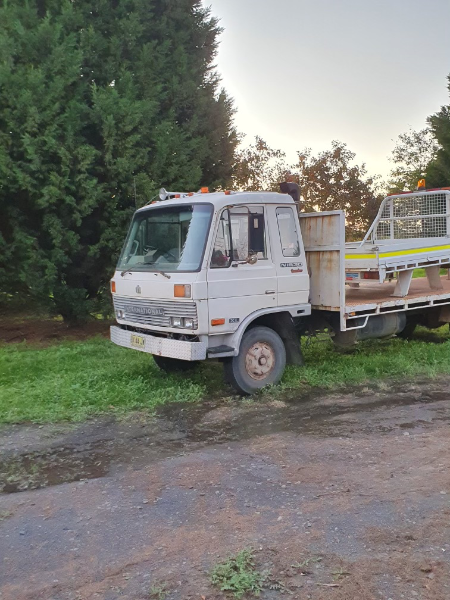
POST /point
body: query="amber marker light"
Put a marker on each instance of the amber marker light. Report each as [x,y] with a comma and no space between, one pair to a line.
[204,190]
[181,291]
[113,286]
[215,322]
[421,184]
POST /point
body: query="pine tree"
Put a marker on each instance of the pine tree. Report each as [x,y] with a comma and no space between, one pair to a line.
[101,103]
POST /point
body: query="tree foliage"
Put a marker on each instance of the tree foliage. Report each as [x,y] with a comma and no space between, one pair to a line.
[329,181]
[101,103]
[413,152]
[439,168]
[258,167]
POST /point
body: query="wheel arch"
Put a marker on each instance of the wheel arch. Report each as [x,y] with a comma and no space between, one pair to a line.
[279,320]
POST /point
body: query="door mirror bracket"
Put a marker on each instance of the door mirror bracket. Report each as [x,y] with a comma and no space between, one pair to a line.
[251,259]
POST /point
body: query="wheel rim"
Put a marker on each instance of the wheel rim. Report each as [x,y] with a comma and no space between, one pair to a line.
[260,360]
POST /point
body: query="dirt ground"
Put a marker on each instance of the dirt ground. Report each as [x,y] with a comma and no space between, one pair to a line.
[43,332]
[343,496]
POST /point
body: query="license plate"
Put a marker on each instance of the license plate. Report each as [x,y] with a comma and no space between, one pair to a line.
[137,341]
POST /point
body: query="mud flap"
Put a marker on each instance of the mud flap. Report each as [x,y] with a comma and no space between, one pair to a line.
[291,339]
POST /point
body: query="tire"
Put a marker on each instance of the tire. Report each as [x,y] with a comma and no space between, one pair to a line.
[260,362]
[173,365]
[408,331]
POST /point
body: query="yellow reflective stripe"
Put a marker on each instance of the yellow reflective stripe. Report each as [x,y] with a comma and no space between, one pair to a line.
[417,251]
[398,253]
[360,256]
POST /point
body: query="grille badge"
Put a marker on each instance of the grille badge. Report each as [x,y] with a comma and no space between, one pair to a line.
[144,310]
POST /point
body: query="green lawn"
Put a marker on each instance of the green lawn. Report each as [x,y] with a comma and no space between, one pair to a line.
[422,273]
[75,380]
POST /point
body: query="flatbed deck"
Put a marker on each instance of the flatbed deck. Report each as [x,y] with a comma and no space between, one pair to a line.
[376,297]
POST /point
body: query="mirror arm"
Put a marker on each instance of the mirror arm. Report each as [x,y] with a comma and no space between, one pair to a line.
[252,259]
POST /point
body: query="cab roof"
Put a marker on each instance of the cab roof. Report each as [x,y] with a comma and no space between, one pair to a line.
[221,199]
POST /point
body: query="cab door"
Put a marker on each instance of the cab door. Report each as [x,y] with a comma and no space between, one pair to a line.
[289,256]
[236,287]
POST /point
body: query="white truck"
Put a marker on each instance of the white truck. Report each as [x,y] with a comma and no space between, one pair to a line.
[240,276]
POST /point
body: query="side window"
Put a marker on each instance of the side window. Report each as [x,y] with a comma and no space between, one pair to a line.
[241,233]
[288,232]
[221,256]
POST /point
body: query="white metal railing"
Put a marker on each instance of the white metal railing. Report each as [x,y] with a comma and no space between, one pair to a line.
[412,216]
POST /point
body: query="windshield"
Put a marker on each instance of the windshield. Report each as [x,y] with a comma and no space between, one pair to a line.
[167,239]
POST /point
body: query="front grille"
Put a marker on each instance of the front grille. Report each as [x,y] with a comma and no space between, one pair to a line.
[154,312]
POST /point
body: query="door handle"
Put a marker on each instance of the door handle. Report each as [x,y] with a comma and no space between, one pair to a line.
[270,291]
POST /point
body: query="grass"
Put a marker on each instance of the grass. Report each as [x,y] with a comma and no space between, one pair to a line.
[75,380]
[238,575]
[422,273]
[307,562]
[427,355]
[158,591]
[340,574]
[72,381]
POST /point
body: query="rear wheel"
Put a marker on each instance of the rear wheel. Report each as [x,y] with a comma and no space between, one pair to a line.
[260,362]
[408,331]
[173,365]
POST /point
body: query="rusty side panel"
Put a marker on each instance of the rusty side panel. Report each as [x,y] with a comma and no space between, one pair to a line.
[324,241]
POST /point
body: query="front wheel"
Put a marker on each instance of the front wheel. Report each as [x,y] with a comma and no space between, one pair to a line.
[260,362]
[173,365]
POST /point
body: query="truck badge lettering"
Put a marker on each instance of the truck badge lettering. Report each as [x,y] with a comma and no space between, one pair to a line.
[292,264]
[233,320]
[144,310]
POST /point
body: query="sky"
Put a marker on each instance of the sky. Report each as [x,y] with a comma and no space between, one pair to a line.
[306,72]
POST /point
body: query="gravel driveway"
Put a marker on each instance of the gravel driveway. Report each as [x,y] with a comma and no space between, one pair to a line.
[342,496]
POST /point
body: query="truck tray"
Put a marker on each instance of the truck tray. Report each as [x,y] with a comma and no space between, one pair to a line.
[388,256]
[375,298]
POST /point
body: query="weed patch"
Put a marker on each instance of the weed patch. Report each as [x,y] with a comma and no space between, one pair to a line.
[238,575]
[158,592]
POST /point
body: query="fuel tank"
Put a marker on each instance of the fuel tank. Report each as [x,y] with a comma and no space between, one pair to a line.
[379,326]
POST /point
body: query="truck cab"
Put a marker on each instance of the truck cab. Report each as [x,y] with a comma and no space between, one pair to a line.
[214,275]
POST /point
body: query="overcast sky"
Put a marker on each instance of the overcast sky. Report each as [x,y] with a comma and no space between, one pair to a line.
[305,72]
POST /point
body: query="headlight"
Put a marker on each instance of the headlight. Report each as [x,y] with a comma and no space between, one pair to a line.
[177,322]
[189,323]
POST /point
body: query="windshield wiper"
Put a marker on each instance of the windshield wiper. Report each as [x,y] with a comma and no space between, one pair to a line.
[162,273]
[130,270]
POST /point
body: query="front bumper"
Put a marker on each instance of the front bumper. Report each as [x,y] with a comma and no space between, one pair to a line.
[160,345]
